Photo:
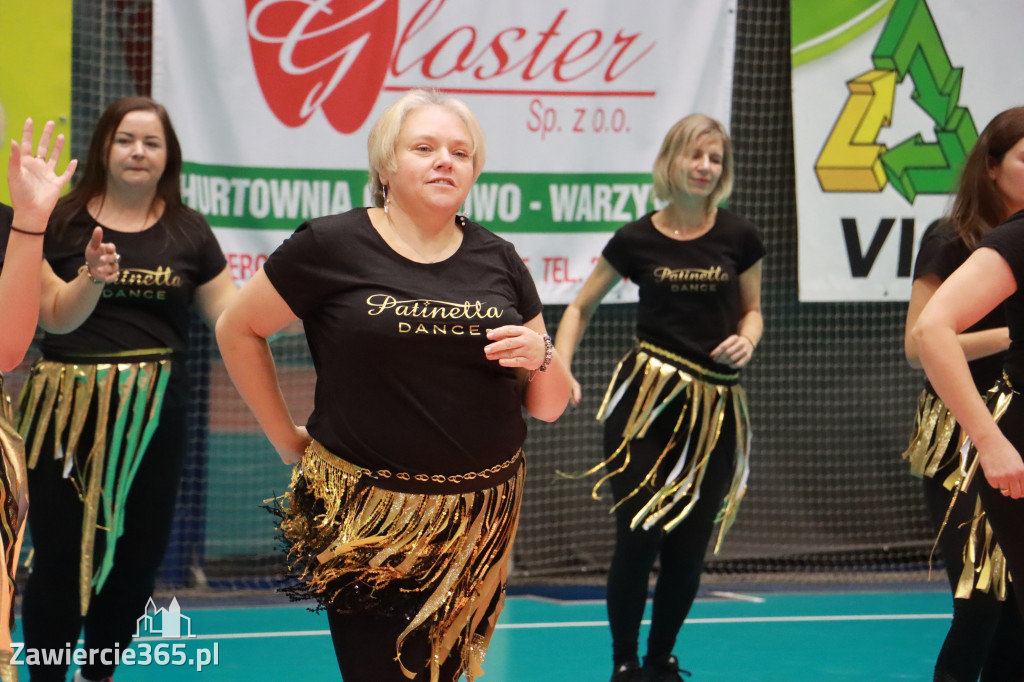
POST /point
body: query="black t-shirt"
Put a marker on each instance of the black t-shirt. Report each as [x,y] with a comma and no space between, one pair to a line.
[1008,241]
[148,306]
[689,290]
[402,380]
[942,251]
[6,216]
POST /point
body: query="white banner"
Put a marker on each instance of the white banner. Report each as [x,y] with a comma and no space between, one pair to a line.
[888,98]
[273,100]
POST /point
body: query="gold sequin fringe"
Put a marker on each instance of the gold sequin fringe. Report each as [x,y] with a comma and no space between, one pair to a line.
[8,670]
[59,395]
[449,552]
[13,507]
[701,413]
[984,564]
[934,427]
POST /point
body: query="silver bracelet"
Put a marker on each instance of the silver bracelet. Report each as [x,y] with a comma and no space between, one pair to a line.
[549,349]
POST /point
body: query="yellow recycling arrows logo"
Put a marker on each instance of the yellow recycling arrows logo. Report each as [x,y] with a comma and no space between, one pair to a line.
[853,161]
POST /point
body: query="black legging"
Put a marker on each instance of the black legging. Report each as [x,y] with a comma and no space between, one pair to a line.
[1005,513]
[365,647]
[364,644]
[986,636]
[681,552]
[51,613]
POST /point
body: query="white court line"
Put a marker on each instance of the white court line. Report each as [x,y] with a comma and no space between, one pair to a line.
[604,623]
[761,619]
[239,635]
[736,596]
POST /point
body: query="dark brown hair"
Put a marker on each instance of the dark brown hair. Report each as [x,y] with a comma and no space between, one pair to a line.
[93,179]
[979,206]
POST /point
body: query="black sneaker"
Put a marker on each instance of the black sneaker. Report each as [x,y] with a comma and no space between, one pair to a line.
[626,672]
[662,669]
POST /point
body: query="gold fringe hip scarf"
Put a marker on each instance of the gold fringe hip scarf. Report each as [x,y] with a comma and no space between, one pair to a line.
[984,563]
[439,559]
[702,395]
[934,427]
[13,507]
[127,397]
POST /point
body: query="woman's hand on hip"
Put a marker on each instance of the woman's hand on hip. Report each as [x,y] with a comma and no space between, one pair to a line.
[516,346]
[292,448]
[1003,467]
[734,352]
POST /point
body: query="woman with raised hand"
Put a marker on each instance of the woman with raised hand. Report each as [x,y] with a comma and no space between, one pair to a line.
[104,410]
[34,187]
[427,339]
[676,428]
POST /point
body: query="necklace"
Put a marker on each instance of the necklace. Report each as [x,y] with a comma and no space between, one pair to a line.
[441,254]
[704,226]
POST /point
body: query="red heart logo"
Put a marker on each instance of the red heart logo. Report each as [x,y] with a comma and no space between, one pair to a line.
[330,55]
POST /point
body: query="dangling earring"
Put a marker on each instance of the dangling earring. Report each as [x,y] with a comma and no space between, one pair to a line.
[387,199]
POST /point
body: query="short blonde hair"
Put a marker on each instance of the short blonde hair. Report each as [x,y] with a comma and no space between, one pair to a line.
[384,136]
[682,137]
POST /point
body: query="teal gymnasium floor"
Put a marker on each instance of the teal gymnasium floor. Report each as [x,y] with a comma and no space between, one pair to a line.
[843,636]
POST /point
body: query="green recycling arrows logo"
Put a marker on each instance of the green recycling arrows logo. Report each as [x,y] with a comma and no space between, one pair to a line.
[853,161]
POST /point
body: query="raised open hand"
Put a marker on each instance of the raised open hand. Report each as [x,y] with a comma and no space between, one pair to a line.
[32,178]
